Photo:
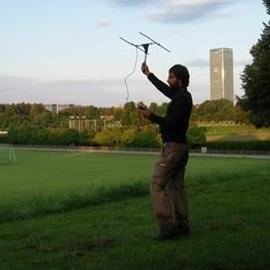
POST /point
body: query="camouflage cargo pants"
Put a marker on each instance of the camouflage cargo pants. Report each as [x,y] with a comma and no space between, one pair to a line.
[167,188]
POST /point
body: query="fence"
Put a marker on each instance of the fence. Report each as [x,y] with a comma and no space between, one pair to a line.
[106,149]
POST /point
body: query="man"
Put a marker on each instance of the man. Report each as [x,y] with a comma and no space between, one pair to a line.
[167,187]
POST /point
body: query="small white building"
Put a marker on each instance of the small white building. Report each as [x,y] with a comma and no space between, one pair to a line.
[3,133]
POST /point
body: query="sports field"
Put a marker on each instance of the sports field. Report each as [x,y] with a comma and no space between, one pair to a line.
[38,175]
[91,211]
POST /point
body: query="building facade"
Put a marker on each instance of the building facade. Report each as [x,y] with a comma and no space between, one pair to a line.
[221,74]
[56,108]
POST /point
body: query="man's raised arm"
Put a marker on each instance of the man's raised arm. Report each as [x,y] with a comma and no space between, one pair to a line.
[160,85]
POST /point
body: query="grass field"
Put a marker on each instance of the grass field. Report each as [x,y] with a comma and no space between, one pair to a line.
[38,175]
[237,133]
[229,212]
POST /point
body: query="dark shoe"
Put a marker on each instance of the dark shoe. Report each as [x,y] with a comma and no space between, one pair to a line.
[182,225]
[172,235]
[182,231]
[183,234]
[163,237]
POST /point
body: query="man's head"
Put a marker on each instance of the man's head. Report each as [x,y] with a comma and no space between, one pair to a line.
[178,76]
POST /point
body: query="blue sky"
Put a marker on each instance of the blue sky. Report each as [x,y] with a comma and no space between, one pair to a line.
[66,51]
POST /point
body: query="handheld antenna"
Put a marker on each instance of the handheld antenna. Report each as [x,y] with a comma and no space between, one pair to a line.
[144,48]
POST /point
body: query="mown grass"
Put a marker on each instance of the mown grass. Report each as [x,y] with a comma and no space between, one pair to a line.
[49,174]
[47,182]
[236,133]
[230,219]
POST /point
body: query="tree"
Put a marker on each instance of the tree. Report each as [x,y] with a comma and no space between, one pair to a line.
[241,116]
[215,110]
[10,110]
[36,109]
[43,119]
[267,4]
[117,114]
[23,109]
[108,137]
[256,79]
[3,120]
[153,107]
[129,116]
[92,112]
[162,108]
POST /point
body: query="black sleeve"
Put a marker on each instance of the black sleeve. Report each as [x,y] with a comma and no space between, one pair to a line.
[176,115]
[160,85]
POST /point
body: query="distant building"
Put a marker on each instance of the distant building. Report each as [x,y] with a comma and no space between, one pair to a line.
[80,123]
[3,133]
[221,73]
[56,108]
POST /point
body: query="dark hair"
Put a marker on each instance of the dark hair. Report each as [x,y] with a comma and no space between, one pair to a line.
[181,72]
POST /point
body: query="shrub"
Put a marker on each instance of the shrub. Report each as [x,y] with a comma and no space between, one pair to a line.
[196,136]
[108,137]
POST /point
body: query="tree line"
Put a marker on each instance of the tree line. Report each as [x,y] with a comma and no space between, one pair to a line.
[208,111]
[114,126]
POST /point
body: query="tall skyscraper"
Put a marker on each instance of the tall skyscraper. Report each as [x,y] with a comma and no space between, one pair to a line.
[221,73]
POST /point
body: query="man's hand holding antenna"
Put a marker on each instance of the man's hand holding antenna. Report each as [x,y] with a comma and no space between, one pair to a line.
[144,111]
[145,69]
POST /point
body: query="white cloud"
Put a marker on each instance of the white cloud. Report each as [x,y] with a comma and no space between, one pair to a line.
[104,24]
[106,92]
[204,63]
[175,11]
[129,3]
[13,89]
[178,11]
[242,62]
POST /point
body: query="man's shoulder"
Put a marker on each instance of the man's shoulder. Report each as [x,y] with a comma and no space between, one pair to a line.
[189,94]
[183,94]
[183,99]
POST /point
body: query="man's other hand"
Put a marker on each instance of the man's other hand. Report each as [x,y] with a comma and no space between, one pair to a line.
[144,112]
[145,69]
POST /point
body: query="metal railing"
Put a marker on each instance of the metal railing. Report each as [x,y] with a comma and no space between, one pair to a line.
[142,150]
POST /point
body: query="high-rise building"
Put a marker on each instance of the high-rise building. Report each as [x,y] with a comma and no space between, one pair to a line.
[221,73]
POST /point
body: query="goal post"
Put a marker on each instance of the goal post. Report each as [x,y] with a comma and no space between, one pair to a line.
[7,155]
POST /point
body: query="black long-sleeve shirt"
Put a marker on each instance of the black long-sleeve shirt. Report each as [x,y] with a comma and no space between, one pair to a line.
[174,125]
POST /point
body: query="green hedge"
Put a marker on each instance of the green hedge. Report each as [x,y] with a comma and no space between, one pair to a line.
[247,146]
[36,135]
[3,139]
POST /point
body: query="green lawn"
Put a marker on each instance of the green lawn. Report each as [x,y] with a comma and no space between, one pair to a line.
[39,174]
[237,133]
[230,230]
[229,206]
[44,174]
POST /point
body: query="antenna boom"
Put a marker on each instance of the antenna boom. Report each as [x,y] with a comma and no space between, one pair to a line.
[137,46]
[155,42]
